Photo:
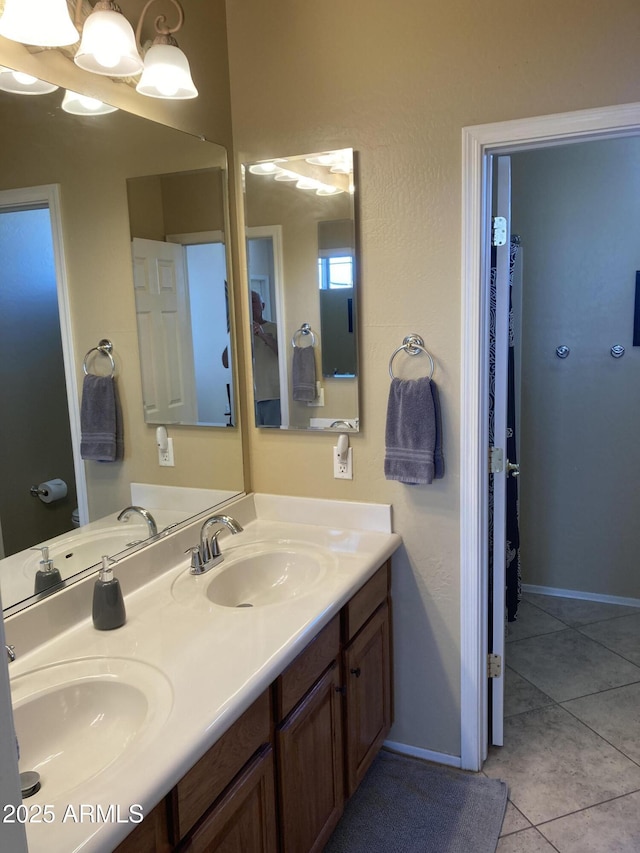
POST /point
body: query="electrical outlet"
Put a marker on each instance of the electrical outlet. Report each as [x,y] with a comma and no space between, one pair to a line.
[343,470]
[165,457]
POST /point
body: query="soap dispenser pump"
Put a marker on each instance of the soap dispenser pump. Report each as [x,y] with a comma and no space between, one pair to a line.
[108,603]
[47,575]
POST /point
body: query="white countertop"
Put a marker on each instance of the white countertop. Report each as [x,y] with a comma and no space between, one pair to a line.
[217,660]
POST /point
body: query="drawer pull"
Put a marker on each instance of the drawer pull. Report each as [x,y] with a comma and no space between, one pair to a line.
[355,672]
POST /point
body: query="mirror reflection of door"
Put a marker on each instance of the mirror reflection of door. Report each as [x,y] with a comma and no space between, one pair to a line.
[35,436]
[271,385]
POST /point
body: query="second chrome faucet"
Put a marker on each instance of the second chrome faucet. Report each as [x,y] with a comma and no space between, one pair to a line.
[207,554]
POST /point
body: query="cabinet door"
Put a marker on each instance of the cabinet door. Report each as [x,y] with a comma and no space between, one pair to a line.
[368,695]
[310,767]
[151,836]
[244,821]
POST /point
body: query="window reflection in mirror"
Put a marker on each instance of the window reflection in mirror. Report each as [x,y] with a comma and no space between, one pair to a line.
[302,274]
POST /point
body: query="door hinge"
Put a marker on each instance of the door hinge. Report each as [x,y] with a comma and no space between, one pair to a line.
[494,666]
[496,460]
[498,231]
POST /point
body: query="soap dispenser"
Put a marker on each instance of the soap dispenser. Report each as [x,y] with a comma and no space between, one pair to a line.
[47,575]
[108,603]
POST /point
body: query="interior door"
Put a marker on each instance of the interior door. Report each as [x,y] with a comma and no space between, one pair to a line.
[501,262]
[164,331]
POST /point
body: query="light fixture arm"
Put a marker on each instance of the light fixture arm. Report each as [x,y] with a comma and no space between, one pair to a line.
[160,22]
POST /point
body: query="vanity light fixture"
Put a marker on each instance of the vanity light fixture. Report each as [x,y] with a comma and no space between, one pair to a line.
[83,105]
[45,23]
[166,69]
[109,45]
[23,84]
[265,169]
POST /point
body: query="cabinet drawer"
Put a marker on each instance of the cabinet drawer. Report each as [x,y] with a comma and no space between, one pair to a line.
[206,780]
[365,602]
[307,668]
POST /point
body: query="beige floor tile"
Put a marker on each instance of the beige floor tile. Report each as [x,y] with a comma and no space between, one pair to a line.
[521,696]
[574,611]
[621,635]
[514,820]
[531,622]
[615,715]
[566,664]
[554,765]
[529,841]
[612,827]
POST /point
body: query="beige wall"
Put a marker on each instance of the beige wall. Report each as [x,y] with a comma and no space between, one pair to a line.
[398,81]
[577,209]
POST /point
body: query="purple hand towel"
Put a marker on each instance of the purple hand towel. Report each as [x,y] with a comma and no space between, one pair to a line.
[304,374]
[100,420]
[410,436]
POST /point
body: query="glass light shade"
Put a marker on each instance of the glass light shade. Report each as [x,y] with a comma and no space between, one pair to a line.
[108,45]
[166,74]
[264,169]
[83,105]
[45,23]
[23,84]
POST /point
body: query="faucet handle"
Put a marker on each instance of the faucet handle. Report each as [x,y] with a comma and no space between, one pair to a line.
[11,652]
[197,564]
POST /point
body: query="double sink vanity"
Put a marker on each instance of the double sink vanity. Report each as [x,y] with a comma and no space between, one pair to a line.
[235,709]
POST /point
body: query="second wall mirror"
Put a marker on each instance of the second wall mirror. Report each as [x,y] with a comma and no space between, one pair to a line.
[300,215]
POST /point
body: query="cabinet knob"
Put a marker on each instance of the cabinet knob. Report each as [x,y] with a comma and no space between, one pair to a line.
[341,690]
[355,672]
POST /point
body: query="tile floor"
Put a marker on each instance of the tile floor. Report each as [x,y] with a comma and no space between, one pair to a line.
[571,756]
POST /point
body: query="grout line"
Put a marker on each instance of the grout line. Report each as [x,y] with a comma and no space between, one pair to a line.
[601,736]
[586,809]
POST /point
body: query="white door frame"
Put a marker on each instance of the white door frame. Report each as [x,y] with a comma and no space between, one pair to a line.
[477,143]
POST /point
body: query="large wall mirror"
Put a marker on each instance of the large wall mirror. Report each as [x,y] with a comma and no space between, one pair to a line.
[74,191]
[300,216]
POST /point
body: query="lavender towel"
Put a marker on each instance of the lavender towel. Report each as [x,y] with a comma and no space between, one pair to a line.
[410,436]
[100,420]
[303,371]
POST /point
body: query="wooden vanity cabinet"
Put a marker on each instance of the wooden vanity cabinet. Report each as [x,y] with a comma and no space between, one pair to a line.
[367,671]
[309,749]
[277,780]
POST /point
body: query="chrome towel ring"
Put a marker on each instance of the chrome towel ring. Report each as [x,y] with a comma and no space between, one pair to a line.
[105,347]
[412,345]
[305,329]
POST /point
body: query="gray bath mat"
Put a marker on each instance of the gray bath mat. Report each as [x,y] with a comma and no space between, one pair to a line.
[405,805]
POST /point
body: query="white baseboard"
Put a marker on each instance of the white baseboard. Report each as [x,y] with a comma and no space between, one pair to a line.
[426,754]
[576,593]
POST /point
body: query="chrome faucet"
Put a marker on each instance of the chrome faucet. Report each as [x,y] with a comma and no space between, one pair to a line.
[11,652]
[207,554]
[340,423]
[140,510]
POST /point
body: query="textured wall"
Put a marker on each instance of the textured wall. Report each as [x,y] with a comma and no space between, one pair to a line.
[398,81]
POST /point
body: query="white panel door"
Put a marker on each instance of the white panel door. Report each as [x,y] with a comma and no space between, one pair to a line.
[502,208]
[164,332]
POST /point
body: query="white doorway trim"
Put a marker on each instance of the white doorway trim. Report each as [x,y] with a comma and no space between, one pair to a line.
[477,144]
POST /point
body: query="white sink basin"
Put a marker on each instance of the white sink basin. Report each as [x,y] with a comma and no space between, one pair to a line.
[75,719]
[258,574]
[80,550]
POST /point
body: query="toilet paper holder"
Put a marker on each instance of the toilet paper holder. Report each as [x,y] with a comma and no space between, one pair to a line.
[50,490]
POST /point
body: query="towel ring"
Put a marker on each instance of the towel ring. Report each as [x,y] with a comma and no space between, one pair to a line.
[104,347]
[305,329]
[412,345]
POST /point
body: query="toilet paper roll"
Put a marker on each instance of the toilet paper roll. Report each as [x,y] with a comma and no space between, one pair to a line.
[52,490]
